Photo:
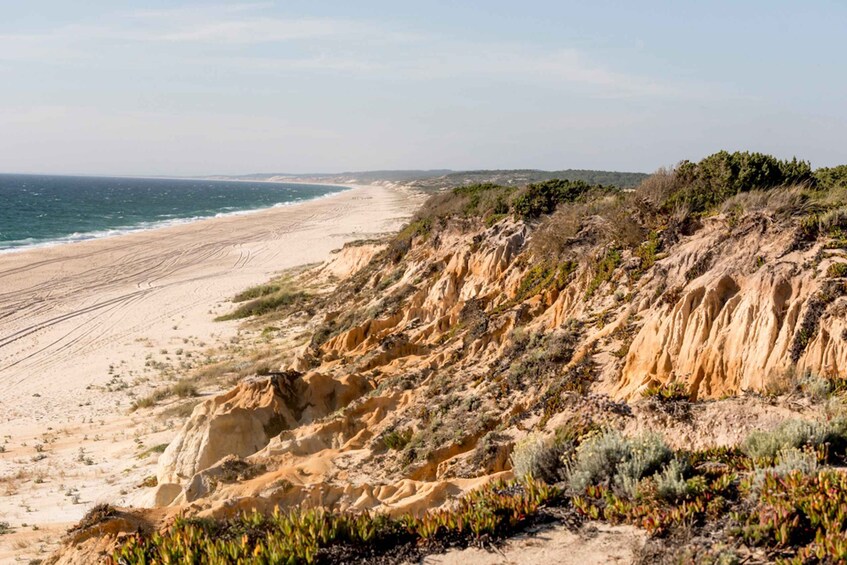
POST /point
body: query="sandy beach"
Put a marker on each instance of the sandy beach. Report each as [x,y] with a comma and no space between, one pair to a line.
[83,327]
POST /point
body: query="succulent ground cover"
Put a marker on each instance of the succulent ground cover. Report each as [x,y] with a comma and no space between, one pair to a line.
[791,504]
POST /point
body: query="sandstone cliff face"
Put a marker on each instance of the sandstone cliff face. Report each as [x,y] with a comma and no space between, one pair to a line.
[758,311]
[725,310]
[430,367]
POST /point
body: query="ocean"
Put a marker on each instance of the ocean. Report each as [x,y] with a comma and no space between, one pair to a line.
[38,210]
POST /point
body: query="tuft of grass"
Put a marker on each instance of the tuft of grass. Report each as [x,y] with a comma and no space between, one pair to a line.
[256,292]
[180,410]
[265,305]
[397,440]
[184,388]
[670,392]
[155,449]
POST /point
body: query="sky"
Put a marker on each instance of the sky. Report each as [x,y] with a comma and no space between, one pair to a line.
[173,88]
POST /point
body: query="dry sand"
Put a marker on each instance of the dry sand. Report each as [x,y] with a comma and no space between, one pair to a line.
[86,327]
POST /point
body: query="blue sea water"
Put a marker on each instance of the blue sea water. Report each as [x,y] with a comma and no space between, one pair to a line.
[40,210]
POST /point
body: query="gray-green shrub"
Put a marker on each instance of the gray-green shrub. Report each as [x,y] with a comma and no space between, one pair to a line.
[792,433]
[542,458]
[788,460]
[670,482]
[615,460]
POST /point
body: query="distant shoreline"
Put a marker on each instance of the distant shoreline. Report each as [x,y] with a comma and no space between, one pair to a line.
[79,237]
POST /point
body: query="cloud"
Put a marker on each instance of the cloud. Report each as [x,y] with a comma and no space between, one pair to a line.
[261,30]
[533,64]
[326,45]
[169,13]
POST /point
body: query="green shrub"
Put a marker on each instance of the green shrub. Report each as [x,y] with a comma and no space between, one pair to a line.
[543,197]
[480,200]
[831,177]
[402,242]
[722,175]
[397,440]
[837,270]
[670,392]
[183,388]
[648,251]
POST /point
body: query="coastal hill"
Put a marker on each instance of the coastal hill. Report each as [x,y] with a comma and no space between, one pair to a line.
[441,179]
[648,375]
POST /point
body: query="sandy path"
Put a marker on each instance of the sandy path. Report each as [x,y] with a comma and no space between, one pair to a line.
[73,318]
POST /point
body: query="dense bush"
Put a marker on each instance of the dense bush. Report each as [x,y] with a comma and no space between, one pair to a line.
[831,177]
[543,197]
[703,185]
[469,201]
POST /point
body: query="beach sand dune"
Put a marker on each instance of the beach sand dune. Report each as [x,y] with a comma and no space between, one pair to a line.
[79,321]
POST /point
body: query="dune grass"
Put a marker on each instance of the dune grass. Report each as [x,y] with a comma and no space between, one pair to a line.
[272,301]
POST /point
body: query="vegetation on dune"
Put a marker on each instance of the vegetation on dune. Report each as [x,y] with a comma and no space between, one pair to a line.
[638,223]
[522,177]
[642,222]
[543,198]
[722,175]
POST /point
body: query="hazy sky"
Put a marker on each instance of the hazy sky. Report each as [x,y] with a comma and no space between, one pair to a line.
[111,87]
